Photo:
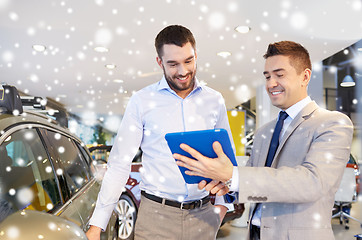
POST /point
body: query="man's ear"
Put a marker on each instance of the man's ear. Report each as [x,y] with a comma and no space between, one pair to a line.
[159,61]
[306,77]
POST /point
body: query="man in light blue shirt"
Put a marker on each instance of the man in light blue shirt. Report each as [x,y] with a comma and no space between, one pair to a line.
[170,208]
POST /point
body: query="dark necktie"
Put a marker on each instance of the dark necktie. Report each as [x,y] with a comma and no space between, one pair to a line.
[275,139]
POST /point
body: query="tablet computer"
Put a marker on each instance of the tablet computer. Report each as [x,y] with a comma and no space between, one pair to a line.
[202,142]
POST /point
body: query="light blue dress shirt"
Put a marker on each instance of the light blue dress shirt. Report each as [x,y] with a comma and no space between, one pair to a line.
[151,113]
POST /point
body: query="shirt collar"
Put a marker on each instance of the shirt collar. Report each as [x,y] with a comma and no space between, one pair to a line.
[164,85]
[296,108]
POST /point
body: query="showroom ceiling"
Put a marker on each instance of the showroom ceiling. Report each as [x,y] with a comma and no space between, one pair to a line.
[89,83]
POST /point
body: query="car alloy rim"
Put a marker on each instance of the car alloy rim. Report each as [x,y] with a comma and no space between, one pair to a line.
[125,218]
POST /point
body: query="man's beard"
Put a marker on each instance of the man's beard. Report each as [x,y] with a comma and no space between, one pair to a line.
[173,84]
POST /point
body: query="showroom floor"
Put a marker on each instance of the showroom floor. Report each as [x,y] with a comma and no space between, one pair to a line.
[230,232]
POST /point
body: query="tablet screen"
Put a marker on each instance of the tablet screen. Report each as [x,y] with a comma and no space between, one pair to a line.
[202,142]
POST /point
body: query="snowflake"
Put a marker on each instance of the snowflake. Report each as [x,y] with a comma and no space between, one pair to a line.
[217,210]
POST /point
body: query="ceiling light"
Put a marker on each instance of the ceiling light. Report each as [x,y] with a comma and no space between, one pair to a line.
[39,48]
[359,49]
[101,49]
[348,81]
[224,54]
[110,66]
[242,29]
[118,80]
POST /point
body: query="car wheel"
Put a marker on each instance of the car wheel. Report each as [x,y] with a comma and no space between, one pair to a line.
[126,218]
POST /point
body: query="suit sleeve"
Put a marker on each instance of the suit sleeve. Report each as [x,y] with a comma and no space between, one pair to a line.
[223,122]
[320,172]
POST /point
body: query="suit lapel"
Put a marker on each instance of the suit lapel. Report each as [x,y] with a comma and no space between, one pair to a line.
[303,115]
[265,143]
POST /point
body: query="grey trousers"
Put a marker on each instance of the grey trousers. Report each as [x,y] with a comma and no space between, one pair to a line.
[157,221]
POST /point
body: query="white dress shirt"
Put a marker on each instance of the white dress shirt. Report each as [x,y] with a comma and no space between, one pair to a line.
[151,113]
[292,113]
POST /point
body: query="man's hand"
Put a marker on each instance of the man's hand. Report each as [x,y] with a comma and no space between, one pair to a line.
[214,187]
[94,233]
[219,168]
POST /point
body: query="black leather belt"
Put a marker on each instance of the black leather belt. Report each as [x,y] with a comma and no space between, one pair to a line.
[181,205]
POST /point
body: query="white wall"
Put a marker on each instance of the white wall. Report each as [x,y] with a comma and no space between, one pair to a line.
[315,87]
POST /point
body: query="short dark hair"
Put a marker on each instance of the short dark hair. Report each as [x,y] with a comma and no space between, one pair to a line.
[173,34]
[298,55]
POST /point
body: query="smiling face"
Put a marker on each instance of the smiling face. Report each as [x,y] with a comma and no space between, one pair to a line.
[179,67]
[284,85]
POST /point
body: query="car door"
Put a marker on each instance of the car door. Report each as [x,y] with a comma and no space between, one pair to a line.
[87,200]
[80,186]
[72,173]
[89,195]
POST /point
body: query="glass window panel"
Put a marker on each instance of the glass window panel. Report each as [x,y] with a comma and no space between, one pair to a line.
[27,179]
[70,158]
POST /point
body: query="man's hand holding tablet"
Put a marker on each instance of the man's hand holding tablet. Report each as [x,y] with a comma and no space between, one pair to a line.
[203,156]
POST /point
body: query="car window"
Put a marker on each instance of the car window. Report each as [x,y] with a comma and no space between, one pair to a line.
[100,155]
[27,179]
[351,160]
[138,157]
[86,157]
[75,169]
